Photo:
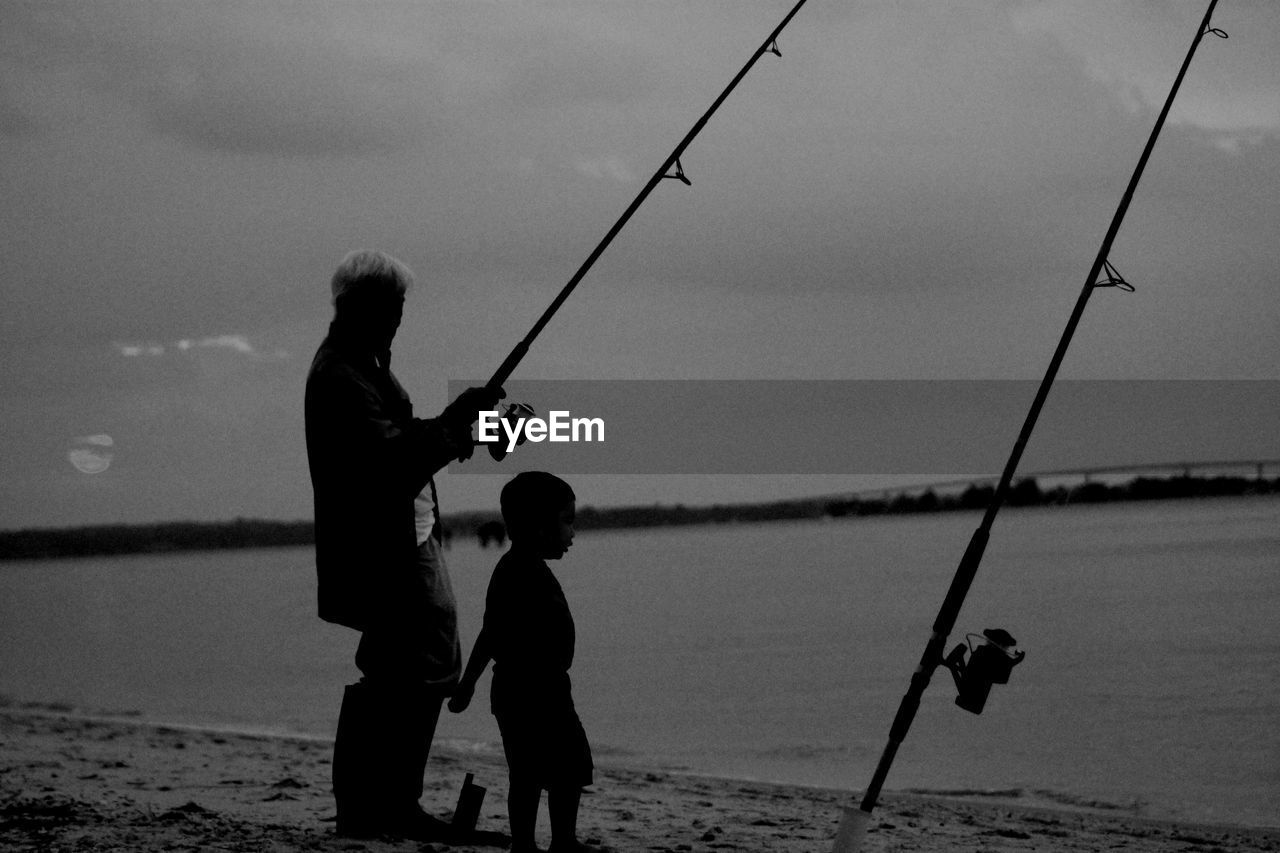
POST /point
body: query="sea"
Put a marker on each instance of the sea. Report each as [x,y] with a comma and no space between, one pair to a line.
[769,652]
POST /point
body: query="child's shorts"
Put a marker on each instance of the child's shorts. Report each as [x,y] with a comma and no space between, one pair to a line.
[544,742]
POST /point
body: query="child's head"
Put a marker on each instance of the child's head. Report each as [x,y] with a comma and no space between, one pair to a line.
[538,510]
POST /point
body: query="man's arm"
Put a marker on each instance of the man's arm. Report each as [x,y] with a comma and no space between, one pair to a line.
[452,429]
[398,450]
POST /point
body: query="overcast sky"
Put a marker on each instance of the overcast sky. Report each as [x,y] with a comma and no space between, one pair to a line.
[914,190]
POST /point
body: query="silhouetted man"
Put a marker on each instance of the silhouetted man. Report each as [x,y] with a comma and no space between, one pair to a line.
[379,559]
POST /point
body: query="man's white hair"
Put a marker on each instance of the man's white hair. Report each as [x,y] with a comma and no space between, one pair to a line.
[366,269]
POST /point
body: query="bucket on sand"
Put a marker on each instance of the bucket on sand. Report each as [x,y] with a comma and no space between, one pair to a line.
[470,798]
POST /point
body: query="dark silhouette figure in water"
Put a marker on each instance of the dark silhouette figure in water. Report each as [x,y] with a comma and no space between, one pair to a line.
[528,633]
[379,555]
[491,531]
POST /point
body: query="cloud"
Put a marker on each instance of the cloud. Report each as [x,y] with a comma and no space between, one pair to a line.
[606,168]
[572,64]
[238,344]
[1136,48]
[240,79]
[258,103]
[343,80]
[135,350]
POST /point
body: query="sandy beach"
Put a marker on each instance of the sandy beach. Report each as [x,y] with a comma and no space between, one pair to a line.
[72,781]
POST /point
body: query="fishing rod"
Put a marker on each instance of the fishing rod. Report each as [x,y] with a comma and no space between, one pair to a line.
[854,820]
[770,45]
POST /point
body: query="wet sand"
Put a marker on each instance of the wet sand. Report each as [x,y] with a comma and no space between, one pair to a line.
[71,781]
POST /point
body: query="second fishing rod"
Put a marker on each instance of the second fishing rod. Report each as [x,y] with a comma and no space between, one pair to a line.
[1101,274]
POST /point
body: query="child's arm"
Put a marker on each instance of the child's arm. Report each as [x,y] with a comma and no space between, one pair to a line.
[481,654]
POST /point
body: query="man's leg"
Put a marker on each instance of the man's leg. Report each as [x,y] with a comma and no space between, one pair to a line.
[360,781]
[422,713]
[409,659]
[383,743]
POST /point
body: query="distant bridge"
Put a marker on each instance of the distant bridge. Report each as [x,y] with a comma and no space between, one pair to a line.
[1217,467]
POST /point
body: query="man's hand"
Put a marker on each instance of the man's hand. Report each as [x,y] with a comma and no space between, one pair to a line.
[461,697]
[466,408]
[458,416]
[458,442]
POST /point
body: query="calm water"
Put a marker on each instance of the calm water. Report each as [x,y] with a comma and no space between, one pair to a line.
[1152,678]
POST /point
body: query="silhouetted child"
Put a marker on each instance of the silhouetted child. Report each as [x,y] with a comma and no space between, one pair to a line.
[528,634]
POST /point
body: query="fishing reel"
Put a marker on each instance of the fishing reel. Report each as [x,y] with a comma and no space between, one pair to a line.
[515,413]
[990,662]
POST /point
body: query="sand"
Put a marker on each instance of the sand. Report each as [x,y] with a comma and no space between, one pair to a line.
[72,781]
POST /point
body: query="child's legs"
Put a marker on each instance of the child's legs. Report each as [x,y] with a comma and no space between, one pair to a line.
[524,792]
[522,811]
[562,803]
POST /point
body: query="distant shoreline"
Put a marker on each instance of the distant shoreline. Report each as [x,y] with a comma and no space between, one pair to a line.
[175,536]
